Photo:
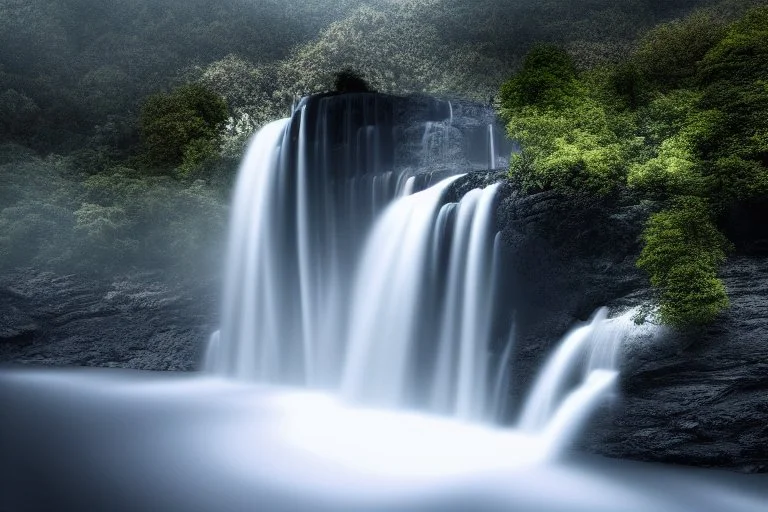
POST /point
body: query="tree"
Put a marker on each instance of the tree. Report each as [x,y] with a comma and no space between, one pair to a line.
[183,126]
[683,250]
[548,79]
[348,80]
[668,55]
[734,78]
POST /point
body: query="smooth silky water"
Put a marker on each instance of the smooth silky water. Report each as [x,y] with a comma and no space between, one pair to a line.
[363,360]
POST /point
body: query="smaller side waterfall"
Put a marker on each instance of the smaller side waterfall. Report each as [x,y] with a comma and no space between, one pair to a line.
[575,409]
[491,147]
[595,345]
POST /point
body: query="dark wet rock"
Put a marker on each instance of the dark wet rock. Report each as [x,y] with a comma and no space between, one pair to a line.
[137,320]
[703,400]
[699,397]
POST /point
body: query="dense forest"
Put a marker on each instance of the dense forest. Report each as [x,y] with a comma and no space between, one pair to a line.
[121,123]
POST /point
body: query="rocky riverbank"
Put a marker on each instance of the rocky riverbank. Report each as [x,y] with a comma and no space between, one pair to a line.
[138,320]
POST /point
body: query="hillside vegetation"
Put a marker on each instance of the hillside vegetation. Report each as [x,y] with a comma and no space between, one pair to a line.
[121,123]
[682,120]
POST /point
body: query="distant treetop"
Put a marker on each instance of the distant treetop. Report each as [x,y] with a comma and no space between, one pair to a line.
[348,80]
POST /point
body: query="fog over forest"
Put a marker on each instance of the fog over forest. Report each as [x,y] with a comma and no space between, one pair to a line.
[82,187]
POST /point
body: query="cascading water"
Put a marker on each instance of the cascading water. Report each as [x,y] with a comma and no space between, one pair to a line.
[354,267]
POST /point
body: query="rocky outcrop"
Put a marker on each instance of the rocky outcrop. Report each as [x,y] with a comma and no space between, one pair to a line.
[137,320]
[698,397]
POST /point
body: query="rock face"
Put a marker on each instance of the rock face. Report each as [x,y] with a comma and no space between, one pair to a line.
[137,320]
[698,398]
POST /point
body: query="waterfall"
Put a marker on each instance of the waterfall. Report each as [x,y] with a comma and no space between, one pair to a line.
[577,406]
[546,391]
[598,341]
[385,309]
[395,305]
[352,269]
[248,297]
[491,146]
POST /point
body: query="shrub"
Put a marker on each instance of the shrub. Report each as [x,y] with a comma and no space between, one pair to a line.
[734,79]
[683,120]
[682,252]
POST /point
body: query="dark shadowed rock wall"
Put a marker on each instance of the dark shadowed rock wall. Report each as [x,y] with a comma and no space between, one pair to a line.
[697,397]
[137,320]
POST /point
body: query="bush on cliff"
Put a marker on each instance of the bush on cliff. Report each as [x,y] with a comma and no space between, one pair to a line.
[683,249]
[568,137]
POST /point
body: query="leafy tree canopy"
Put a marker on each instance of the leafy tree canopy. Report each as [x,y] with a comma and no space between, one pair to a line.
[182,126]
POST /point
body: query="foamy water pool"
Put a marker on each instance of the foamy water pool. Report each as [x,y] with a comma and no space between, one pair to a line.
[123,440]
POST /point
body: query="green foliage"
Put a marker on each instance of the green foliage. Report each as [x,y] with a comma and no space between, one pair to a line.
[36,205]
[106,230]
[51,216]
[684,119]
[682,252]
[87,64]
[244,86]
[570,150]
[84,61]
[569,137]
[734,79]
[148,219]
[669,54]
[398,47]
[18,113]
[547,79]
[183,126]
[674,128]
